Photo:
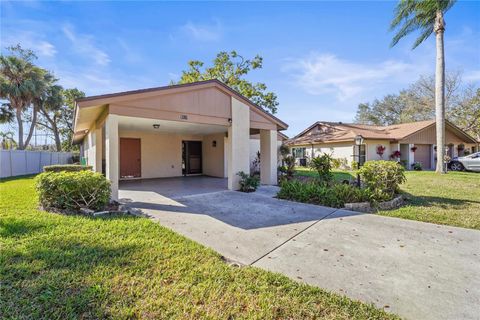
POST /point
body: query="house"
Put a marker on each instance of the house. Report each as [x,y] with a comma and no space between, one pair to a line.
[198,128]
[407,142]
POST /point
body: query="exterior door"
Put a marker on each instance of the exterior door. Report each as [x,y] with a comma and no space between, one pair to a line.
[423,155]
[130,158]
[192,157]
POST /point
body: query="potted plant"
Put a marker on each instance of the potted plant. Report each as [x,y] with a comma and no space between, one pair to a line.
[396,154]
[380,150]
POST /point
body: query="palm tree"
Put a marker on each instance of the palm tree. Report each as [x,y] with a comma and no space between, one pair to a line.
[426,16]
[20,81]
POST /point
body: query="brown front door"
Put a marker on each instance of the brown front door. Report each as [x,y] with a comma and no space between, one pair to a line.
[423,155]
[130,159]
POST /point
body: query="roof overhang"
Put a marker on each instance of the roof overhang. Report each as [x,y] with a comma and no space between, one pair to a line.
[88,109]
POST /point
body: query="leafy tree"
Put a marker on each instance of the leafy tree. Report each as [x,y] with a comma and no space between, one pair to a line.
[427,16]
[230,68]
[466,114]
[65,118]
[50,106]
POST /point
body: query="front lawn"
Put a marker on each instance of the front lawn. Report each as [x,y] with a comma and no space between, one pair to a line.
[451,199]
[70,267]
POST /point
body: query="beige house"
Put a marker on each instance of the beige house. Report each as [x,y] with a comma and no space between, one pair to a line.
[407,142]
[198,128]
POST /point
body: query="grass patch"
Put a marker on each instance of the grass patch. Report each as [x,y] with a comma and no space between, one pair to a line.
[451,199]
[338,175]
[70,267]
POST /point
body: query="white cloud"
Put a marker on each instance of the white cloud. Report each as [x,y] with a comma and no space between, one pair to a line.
[203,32]
[347,80]
[472,76]
[85,45]
[30,40]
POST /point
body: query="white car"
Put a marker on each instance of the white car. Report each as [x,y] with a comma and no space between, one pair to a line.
[470,162]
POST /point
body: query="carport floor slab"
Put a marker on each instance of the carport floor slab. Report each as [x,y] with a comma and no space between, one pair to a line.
[414,269]
[242,227]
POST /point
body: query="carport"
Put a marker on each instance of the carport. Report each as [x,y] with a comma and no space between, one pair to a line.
[173,131]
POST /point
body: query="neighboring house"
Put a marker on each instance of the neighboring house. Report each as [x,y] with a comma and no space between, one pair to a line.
[414,141]
[197,128]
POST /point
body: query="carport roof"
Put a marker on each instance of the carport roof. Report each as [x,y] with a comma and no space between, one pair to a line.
[105,99]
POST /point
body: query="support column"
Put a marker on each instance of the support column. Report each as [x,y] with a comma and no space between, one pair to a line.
[112,153]
[97,167]
[238,143]
[411,156]
[268,157]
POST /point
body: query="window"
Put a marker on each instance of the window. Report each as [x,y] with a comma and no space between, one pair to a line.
[298,153]
[359,154]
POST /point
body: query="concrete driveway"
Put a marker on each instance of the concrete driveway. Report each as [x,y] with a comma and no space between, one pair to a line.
[416,270]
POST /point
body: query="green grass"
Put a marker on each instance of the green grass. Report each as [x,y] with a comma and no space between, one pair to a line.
[338,175]
[451,199]
[70,267]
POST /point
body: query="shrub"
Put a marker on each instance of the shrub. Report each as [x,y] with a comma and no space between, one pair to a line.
[417,166]
[382,178]
[340,163]
[317,193]
[323,165]
[66,167]
[355,165]
[290,166]
[72,191]
[248,183]
[284,150]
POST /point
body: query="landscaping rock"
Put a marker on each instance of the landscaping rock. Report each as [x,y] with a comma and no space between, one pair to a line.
[392,204]
[367,208]
[101,213]
[359,207]
[86,211]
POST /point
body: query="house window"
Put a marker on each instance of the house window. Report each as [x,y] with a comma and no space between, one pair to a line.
[298,153]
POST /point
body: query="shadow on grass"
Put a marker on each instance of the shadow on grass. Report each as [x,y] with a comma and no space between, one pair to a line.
[429,201]
[18,228]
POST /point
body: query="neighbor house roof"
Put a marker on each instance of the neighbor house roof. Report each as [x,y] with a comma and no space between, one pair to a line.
[327,132]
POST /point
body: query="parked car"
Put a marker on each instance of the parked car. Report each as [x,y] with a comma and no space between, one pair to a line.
[470,162]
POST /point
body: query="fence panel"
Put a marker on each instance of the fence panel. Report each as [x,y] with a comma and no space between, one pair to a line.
[21,162]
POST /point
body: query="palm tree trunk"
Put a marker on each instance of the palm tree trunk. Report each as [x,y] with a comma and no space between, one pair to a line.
[32,126]
[440,92]
[20,127]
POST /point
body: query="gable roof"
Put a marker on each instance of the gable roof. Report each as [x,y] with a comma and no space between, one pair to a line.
[107,98]
[340,132]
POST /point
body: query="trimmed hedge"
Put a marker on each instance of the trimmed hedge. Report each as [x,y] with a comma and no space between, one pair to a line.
[319,193]
[66,167]
[71,191]
[382,178]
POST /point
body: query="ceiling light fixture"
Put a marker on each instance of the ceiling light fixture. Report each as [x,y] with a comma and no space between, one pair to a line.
[156,126]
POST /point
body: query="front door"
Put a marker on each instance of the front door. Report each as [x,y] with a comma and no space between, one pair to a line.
[191,157]
[130,158]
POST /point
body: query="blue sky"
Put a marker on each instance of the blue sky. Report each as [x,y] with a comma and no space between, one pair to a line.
[321,58]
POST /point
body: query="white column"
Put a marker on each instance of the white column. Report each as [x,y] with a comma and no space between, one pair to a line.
[411,156]
[238,143]
[112,153]
[268,157]
[97,167]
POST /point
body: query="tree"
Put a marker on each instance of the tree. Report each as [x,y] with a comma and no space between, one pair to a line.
[415,103]
[427,16]
[466,114]
[20,82]
[230,68]
[50,106]
[65,118]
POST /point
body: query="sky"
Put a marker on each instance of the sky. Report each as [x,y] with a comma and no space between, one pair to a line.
[321,58]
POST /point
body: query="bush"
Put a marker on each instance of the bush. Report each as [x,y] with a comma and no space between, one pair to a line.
[382,178]
[340,163]
[417,166]
[355,165]
[290,166]
[284,150]
[323,165]
[66,167]
[72,191]
[248,183]
[316,193]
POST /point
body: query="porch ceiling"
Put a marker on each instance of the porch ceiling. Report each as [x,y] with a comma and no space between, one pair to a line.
[166,126]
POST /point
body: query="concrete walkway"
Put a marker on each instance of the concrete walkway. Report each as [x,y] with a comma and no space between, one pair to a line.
[416,270]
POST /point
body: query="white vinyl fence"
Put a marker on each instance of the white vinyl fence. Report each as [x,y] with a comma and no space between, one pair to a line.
[21,162]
